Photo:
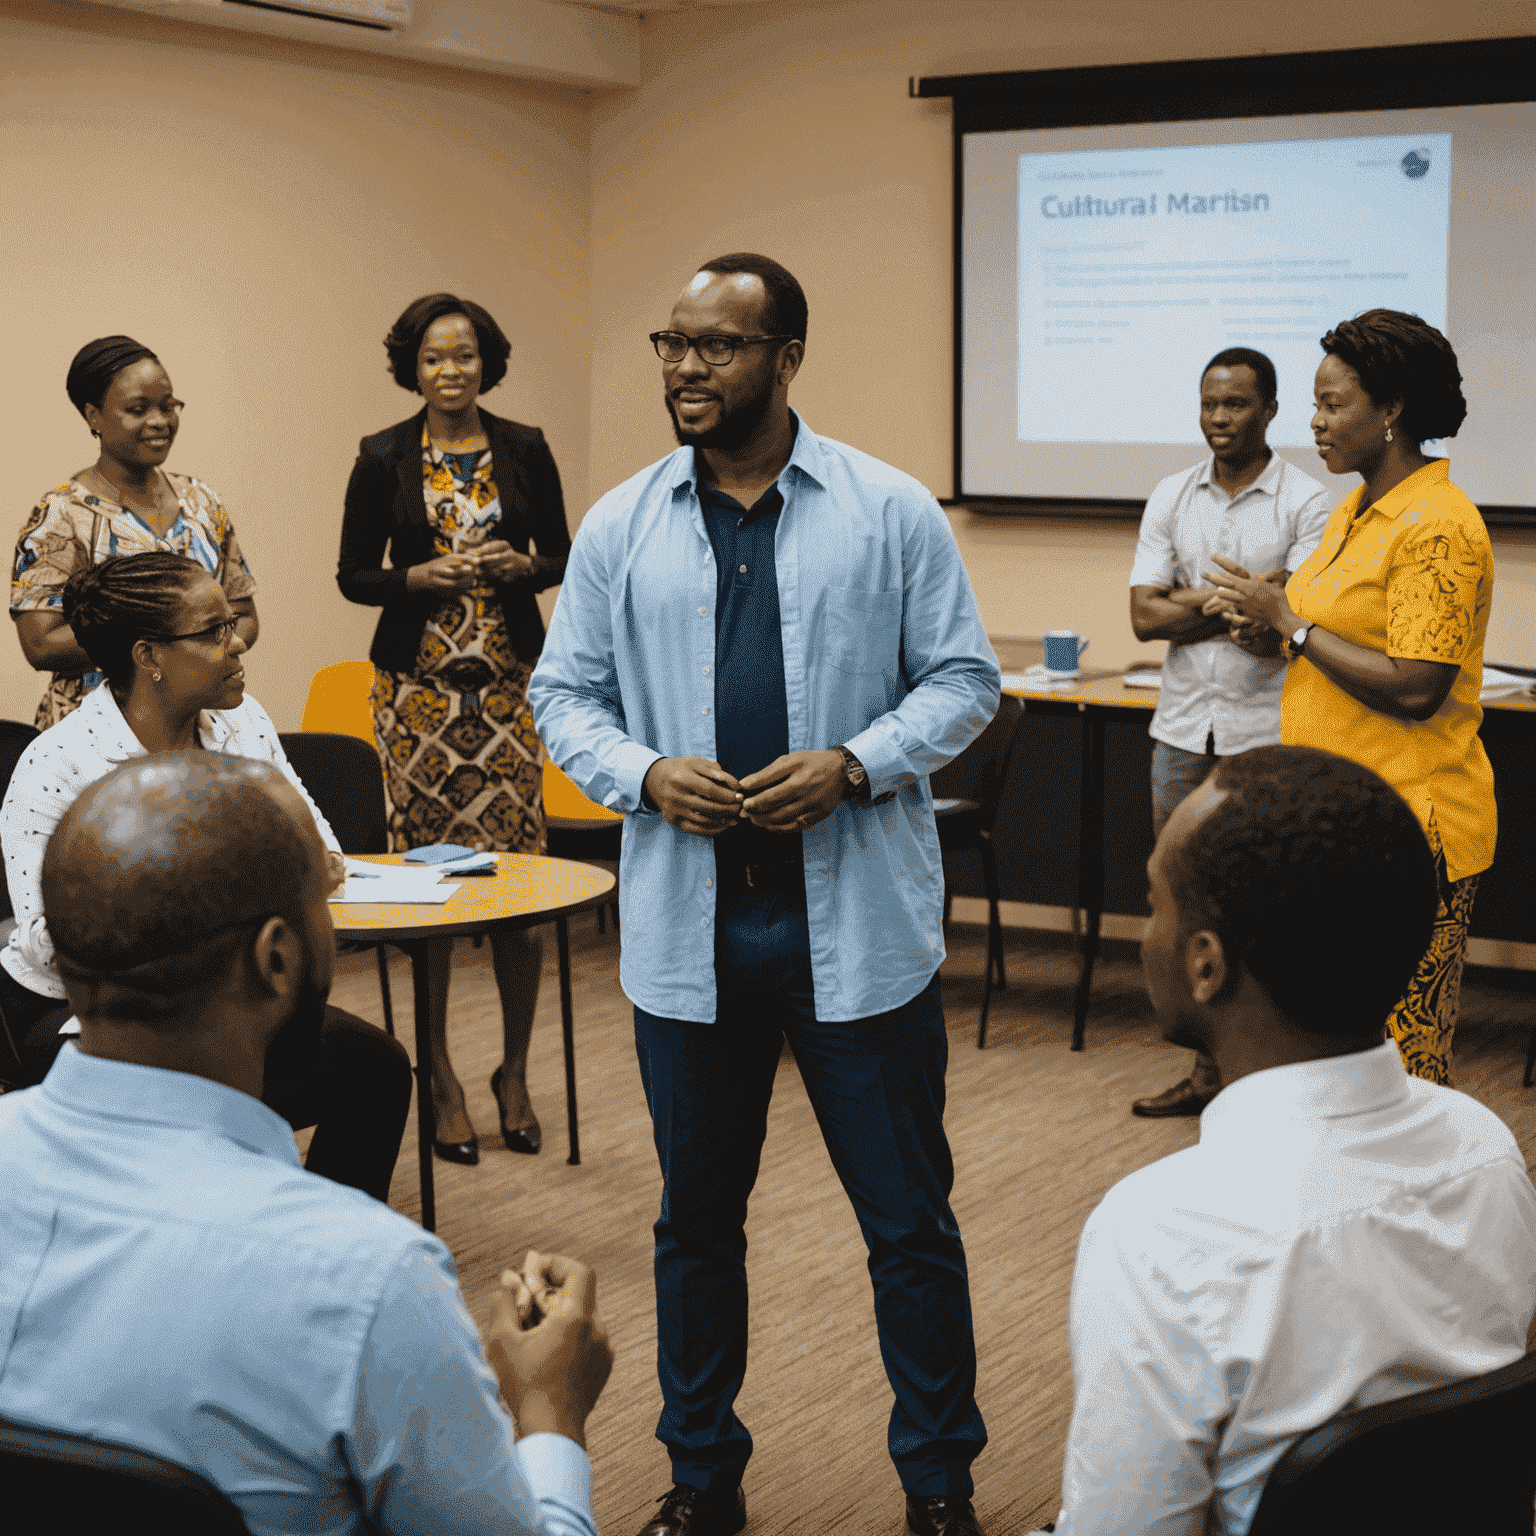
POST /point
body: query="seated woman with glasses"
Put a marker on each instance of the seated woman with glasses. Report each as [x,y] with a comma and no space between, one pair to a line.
[163,633]
[123,503]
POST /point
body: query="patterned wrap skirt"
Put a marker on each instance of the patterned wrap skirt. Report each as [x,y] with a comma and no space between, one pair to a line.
[462,761]
[1425,1017]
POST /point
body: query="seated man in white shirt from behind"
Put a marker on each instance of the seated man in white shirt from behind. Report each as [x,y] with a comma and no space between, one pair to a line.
[1343,1234]
[172,1280]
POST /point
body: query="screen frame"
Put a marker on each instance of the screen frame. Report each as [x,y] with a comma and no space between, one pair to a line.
[1456,74]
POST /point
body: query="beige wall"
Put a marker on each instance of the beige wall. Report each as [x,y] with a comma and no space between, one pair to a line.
[787,128]
[258,213]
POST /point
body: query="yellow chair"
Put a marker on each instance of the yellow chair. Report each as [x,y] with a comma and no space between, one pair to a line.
[564,802]
[338,700]
[579,828]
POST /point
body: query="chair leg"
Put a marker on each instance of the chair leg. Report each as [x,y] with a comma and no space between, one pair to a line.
[389,1012]
[949,902]
[1530,1059]
[602,919]
[615,917]
[986,1005]
[994,918]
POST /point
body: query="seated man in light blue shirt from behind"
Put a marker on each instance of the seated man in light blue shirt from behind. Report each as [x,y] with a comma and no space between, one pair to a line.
[173,1281]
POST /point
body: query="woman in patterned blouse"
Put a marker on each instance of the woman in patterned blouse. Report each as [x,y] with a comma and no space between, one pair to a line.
[123,504]
[1384,626]
[458,496]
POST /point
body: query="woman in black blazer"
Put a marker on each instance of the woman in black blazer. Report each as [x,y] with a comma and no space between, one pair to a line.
[468,506]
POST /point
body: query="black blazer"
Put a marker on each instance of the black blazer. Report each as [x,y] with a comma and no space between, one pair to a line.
[385,507]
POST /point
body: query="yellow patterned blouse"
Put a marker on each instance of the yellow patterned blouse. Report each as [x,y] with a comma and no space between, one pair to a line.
[1412,577]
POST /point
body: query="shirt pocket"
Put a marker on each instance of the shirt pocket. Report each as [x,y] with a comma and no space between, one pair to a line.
[863,630]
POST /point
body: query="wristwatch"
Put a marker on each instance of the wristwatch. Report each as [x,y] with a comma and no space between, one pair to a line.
[1291,646]
[858,779]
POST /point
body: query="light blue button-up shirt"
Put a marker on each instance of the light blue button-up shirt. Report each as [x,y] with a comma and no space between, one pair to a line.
[884,653]
[172,1280]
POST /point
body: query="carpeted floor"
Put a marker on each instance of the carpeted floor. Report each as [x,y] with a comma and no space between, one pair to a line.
[1038,1134]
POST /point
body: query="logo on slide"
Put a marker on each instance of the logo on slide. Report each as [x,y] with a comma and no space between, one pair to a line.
[1415,163]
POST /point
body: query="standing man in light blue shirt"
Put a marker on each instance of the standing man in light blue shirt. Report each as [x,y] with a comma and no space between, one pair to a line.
[1217,699]
[763,646]
[171,1280]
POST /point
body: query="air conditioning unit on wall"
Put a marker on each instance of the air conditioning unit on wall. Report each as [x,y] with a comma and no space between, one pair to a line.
[534,39]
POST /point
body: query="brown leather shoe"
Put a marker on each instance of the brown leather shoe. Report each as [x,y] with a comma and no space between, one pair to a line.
[687,1511]
[946,1514]
[1182,1099]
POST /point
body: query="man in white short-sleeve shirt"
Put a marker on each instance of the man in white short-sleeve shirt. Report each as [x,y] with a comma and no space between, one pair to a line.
[1247,503]
[1342,1234]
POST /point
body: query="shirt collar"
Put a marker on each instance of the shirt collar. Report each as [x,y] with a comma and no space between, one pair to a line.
[1405,492]
[131,1094]
[119,744]
[807,457]
[1266,485]
[1334,1088]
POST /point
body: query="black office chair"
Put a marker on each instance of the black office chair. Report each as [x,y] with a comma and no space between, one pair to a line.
[966,794]
[1456,1458]
[74,1485]
[15,737]
[343,777]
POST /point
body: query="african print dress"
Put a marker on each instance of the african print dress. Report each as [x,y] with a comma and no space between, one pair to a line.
[462,761]
[72,528]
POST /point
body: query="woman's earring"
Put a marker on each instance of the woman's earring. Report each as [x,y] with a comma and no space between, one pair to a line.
[157,677]
[1389,434]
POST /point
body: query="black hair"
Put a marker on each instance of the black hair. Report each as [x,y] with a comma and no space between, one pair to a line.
[1247,357]
[1401,357]
[1318,880]
[97,363]
[404,339]
[785,313]
[126,598]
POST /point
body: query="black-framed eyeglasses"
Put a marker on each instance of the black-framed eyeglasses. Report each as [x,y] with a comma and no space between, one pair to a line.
[218,633]
[715,349]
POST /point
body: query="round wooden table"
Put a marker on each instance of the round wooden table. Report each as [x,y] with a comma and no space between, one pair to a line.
[524,891]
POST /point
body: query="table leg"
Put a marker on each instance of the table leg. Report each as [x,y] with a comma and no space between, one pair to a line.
[426,1118]
[568,1028]
[1090,868]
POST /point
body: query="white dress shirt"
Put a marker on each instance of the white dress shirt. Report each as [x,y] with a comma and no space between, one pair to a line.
[56,770]
[1343,1234]
[1213,686]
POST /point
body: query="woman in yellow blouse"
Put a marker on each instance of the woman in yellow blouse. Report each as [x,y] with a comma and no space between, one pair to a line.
[1384,626]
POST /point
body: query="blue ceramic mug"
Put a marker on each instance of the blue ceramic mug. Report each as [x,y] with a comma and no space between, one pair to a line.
[1063,647]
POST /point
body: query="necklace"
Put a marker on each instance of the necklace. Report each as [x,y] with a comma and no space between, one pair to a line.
[120,494]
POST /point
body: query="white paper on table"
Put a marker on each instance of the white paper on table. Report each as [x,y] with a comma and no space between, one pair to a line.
[1144,677]
[1497,684]
[1036,678]
[389,883]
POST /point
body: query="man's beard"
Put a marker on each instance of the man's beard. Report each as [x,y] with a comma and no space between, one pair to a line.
[734,428]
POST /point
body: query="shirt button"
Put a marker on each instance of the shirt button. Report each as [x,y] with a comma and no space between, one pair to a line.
[709,557]
[706,671]
[742,569]
[705,710]
[708,881]
[703,613]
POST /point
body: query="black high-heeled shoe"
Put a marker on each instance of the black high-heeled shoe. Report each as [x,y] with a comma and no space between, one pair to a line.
[466,1152]
[518,1140]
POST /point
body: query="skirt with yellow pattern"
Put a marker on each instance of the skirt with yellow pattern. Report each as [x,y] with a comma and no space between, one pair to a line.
[1425,1018]
[462,761]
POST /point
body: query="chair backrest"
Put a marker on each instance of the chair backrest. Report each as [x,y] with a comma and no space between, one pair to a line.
[564,801]
[72,1484]
[1454,1458]
[343,776]
[980,771]
[15,738]
[338,700]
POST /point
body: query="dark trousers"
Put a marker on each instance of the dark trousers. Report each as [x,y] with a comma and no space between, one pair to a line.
[877,1088]
[326,1068]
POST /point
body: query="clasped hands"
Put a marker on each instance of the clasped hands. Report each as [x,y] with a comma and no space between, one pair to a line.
[495,559]
[792,793]
[548,1346]
[1254,607]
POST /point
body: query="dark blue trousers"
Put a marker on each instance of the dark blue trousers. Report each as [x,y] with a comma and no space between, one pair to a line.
[877,1088]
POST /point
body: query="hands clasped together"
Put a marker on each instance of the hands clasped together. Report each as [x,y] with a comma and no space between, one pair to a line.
[548,1346]
[1254,607]
[495,560]
[792,793]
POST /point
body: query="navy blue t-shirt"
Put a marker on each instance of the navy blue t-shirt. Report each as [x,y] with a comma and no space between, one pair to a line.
[751,708]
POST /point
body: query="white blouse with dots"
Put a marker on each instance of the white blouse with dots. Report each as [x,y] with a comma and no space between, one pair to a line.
[56,769]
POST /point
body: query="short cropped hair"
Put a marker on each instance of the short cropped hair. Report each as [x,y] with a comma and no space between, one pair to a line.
[124,599]
[1247,357]
[97,363]
[1401,357]
[404,339]
[1318,880]
[785,313]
